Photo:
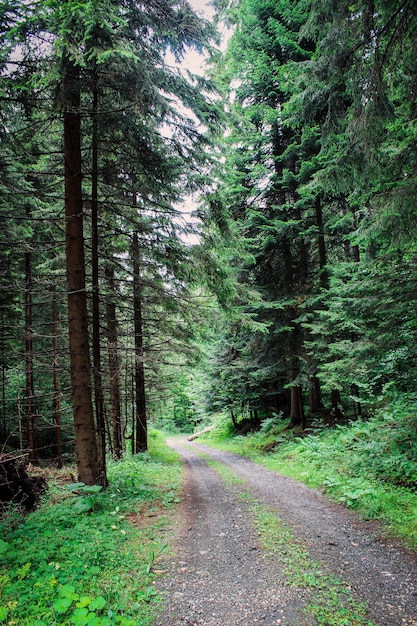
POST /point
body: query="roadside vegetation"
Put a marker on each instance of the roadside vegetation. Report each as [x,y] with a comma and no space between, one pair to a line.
[86,556]
[369,464]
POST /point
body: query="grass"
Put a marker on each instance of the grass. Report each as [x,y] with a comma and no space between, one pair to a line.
[330,601]
[369,465]
[86,557]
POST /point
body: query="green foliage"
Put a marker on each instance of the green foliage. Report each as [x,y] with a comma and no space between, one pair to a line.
[72,564]
[318,190]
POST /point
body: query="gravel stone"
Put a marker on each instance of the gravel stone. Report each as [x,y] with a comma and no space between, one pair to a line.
[220,577]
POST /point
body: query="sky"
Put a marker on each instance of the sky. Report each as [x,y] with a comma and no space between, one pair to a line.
[201,5]
[194,62]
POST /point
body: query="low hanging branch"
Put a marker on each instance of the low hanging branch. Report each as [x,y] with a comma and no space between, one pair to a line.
[16,486]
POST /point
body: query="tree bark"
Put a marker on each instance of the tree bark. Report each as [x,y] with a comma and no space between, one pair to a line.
[114,368]
[314,394]
[98,378]
[85,432]
[30,394]
[336,402]
[141,444]
[56,400]
[297,415]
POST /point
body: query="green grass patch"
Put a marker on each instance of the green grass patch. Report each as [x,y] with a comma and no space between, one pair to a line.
[85,556]
[369,465]
[333,603]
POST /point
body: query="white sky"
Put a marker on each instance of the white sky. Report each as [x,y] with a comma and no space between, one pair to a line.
[201,5]
[196,63]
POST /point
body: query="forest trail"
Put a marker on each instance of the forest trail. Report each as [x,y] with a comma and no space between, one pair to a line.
[219,574]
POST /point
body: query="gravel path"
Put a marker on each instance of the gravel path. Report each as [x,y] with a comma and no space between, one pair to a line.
[219,576]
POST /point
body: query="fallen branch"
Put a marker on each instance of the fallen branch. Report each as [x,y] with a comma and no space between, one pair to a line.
[201,432]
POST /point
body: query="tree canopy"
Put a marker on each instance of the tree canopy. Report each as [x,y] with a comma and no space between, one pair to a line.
[299,295]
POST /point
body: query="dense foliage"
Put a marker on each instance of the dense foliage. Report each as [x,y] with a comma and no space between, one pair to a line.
[317,204]
[82,557]
[299,298]
[97,115]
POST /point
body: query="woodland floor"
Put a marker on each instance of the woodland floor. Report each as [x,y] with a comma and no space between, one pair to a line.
[219,575]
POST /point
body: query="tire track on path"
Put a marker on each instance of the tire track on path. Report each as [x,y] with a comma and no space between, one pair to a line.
[219,577]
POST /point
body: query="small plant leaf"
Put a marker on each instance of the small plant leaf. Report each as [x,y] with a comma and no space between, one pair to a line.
[3,613]
[62,605]
[81,616]
[83,504]
[83,601]
[91,489]
[97,604]
[74,486]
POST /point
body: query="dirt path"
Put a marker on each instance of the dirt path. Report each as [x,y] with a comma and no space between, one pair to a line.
[219,575]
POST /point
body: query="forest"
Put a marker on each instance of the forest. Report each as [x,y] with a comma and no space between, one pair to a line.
[207,223]
[288,291]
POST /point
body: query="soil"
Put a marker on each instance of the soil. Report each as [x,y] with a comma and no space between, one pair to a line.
[218,575]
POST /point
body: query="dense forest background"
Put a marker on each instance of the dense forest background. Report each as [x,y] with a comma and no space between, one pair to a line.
[296,295]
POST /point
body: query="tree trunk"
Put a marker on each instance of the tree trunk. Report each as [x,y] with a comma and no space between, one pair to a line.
[3,379]
[140,398]
[336,404]
[85,433]
[314,395]
[56,400]
[98,379]
[114,370]
[30,395]
[297,415]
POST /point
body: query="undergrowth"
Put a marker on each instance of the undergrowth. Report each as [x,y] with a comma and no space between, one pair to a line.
[85,556]
[370,465]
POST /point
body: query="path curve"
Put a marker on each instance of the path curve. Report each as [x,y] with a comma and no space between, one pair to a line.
[218,575]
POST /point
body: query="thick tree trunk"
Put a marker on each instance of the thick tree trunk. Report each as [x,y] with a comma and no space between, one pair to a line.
[85,432]
[114,368]
[98,378]
[314,395]
[56,400]
[297,415]
[141,444]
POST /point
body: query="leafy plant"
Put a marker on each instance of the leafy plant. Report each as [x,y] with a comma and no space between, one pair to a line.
[71,564]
